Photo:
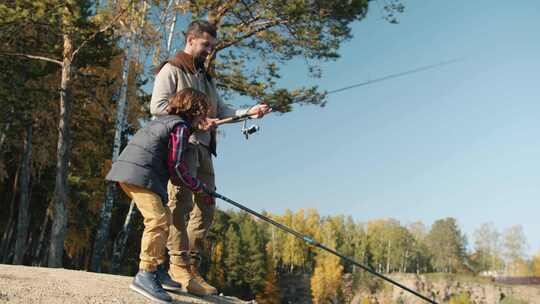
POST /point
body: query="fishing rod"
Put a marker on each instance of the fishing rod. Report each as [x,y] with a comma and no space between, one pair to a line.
[314,243]
[233,119]
[254,128]
[396,75]
[387,77]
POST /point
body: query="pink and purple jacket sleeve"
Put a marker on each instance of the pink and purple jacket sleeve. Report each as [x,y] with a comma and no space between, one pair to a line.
[178,169]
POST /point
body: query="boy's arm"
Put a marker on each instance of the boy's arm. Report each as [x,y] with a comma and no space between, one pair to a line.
[178,169]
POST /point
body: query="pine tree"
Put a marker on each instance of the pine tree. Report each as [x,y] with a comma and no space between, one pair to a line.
[216,244]
[234,261]
[271,293]
[254,255]
[447,245]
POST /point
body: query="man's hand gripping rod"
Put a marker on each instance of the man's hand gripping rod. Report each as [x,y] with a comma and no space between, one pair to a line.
[317,244]
[246,131]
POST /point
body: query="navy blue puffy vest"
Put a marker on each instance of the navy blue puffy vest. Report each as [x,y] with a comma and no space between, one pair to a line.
[143,162]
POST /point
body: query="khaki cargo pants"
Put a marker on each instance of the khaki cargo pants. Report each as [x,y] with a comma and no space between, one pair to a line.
[191,217]
[157,219]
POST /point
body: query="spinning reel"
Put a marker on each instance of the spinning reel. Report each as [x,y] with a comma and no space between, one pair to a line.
[249,131]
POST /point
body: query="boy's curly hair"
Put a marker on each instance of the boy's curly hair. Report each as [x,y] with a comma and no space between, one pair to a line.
[189,103]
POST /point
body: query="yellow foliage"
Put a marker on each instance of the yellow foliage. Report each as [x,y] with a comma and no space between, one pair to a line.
[293,248]
[217,274]
[326,279]
[536,264]
[76,242]
[463,298]
[520,268]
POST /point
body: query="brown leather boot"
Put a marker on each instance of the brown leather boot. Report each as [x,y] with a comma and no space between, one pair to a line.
[209,289]
[182,275]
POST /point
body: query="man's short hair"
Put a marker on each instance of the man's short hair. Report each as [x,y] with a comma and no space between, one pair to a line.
[198,27]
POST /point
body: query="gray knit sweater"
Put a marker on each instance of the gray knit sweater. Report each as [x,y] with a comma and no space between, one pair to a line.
[172,79]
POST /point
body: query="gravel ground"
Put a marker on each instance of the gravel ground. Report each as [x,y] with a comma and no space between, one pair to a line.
[24,284]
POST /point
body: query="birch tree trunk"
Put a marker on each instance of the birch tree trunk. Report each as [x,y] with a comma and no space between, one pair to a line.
[121,240]
[405,259]
[4,131]
[60,215]
[5,239]
[388,257]
[171,29]
[8,240]
[38,252]
[7,124]
[8,249]
[122,237]
[23,219]
[417,270]
[10,227]
[102,232]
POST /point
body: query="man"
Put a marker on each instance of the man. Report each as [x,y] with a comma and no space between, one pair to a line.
[191,215]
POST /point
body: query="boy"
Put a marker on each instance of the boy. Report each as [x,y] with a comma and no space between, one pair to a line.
[152,157]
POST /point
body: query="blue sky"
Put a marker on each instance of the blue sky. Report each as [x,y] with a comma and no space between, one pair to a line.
[457,141]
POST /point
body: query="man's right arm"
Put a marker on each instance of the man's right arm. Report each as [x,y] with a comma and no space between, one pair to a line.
[165,86]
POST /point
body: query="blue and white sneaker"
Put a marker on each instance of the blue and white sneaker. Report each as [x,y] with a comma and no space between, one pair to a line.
[165,279]
[147,284]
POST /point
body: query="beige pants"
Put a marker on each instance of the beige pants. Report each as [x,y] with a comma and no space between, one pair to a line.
[157,219]
[191,217]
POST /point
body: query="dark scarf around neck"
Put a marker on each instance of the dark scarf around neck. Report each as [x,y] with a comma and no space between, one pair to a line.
[186,63]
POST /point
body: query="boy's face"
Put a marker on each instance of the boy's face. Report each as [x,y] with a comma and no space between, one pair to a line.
[200,47]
